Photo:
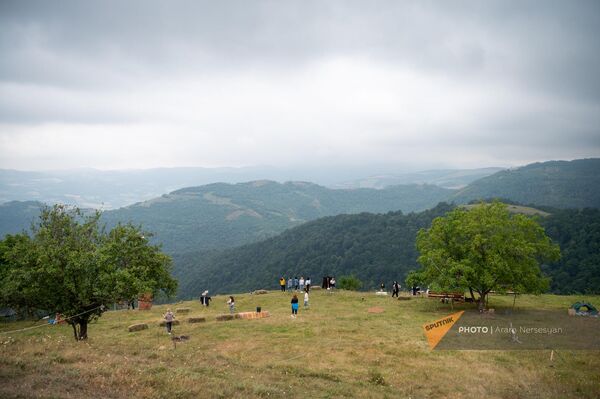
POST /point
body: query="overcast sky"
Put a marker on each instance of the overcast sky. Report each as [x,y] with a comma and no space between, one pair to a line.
[415,85]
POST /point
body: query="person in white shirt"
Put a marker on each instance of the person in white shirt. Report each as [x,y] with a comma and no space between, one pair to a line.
[305,299]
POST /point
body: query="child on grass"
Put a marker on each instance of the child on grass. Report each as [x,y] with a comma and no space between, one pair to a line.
[294,306]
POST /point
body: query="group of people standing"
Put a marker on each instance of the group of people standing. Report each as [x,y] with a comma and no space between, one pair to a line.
[295,284]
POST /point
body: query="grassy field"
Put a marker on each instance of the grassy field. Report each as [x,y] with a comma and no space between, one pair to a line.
[336,349]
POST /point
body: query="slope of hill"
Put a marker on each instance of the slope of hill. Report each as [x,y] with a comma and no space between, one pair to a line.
[335,349]
[225,215]
[559,184]
[578,234]
[376,248]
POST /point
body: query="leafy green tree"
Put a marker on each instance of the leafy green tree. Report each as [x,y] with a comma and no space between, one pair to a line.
[69,265]
[351,283]
[483,249]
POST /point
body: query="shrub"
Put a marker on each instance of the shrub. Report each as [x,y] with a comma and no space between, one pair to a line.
[350,283]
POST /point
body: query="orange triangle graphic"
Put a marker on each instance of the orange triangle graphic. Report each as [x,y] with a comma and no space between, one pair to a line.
[436,330]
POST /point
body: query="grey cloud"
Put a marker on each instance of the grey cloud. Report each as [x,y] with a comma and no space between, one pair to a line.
[77,62]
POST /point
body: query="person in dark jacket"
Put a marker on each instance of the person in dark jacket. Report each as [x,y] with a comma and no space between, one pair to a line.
[395,289]
[294,303]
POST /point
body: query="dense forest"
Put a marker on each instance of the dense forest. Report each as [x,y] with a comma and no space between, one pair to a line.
[376,248]
[578,234]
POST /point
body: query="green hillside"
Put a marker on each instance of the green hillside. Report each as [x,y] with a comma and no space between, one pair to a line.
[336,349]
[376,248]
[225,215]
[16,216]
[578,234]
[559,184]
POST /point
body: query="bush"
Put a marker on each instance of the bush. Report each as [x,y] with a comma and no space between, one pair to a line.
[350,283]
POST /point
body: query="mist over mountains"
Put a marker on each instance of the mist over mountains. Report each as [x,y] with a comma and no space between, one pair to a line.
[91,188]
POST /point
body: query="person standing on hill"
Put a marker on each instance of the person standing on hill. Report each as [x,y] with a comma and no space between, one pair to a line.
[306,299]
[307,283]
[395,289]
[301,283]
[296,282]
[294,303]
[169,317]
[231,303]
[289,285]
[332,283]
[282,284]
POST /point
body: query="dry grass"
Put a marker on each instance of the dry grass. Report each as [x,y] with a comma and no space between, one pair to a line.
[336,349]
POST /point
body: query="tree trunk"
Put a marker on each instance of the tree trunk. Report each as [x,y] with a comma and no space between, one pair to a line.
[472,295]
[83,329]
[482,298]
[72,323]
[79,328]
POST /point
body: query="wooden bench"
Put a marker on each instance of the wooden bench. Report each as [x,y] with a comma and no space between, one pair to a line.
[447,296]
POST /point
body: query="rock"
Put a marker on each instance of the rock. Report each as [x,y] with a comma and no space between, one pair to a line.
[137,327]
[259,292]
[196,319]
[163,323]
[381,293]
[182,310]
[375,309]
[225,317]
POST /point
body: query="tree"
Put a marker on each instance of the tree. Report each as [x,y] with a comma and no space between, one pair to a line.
[485,248]
[351,283]
[69,265]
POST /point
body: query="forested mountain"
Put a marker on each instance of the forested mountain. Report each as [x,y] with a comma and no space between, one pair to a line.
[578,234]
[559,184]
[225,215]
[375,248]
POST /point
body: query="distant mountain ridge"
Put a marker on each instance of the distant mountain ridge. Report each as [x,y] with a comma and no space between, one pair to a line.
[559,184]
[223,215]
[446,178]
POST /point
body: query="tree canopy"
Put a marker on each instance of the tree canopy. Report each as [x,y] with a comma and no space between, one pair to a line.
[70,265]
[483,249]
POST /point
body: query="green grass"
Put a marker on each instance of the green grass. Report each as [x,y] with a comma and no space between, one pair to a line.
[335,349]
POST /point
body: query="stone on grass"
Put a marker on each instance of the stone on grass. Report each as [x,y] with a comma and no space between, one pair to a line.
[260,292]
[225,317]
[182,310]
[137,327]
[196,319]
[375,309]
